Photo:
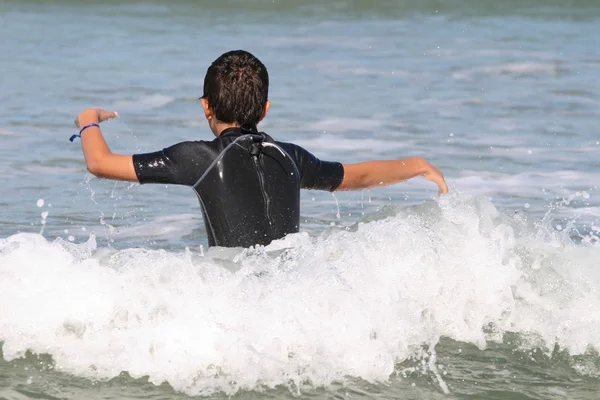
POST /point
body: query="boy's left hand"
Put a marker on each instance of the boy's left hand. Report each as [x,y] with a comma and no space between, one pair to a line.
[436,176]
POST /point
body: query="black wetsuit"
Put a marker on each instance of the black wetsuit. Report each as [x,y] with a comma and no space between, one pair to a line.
[249,193]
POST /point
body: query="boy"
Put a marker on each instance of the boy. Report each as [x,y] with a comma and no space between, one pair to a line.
[248,184]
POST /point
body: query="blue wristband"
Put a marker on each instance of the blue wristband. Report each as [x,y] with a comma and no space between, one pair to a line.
[81,131]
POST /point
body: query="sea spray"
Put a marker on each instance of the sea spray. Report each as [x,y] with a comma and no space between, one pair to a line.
[302,311]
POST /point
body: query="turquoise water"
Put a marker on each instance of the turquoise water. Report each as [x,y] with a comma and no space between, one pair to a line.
[493,292]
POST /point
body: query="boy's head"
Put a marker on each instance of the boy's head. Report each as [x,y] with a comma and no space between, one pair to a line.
[236,91]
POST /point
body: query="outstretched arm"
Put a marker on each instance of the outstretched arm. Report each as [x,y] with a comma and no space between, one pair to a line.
[99,160]
[383,173]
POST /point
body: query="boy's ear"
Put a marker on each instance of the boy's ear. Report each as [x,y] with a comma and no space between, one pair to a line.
[266,110]
[208,111]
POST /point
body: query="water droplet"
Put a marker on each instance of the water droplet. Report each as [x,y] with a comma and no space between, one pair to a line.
[44,214]
[71,238]
[529,151]
[559,227]
[527,205]
[40,203]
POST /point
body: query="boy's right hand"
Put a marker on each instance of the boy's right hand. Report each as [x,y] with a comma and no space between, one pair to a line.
[434,174]
[94,115]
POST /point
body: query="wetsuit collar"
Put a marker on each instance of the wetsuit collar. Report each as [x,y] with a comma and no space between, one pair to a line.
[237,132]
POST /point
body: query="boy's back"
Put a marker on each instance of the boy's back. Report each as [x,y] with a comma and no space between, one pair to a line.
[248,184]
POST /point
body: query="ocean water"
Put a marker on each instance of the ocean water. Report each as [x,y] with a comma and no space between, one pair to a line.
[107,290]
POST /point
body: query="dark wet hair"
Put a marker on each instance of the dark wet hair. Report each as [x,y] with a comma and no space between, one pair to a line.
[236,86]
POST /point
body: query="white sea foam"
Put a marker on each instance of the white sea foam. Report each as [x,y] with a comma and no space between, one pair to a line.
[529,184]
[511,69]
[50,170]
[330,144]
[342,125]
[145,103]
[5,132]
[162,227]
[322,41]
[350,303]
[339,68]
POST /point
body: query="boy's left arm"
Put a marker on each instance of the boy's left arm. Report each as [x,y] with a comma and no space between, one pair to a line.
[99,160]
[378,173]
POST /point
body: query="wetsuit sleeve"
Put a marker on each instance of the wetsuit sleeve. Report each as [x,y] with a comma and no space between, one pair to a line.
[317,174]
[175,165]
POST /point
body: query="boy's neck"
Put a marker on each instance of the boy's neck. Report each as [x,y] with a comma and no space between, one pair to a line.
[221,127]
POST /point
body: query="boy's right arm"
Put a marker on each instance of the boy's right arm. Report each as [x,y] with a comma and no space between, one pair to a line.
[371,174]
[99,160]
[171,165]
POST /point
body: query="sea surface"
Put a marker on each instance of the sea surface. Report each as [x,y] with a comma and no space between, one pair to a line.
[108,290]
